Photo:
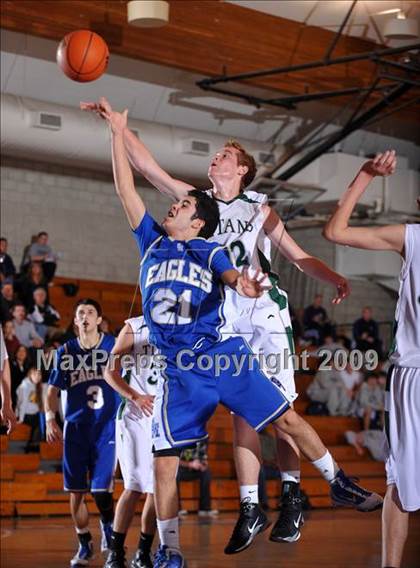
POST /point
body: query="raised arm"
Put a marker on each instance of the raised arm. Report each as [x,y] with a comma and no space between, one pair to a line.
[140,157]
[337,229]
[310,265]
[123,346]
[123,176]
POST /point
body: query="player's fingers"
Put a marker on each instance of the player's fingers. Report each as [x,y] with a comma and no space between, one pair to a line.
[87,105]
[377,159]
[105,104]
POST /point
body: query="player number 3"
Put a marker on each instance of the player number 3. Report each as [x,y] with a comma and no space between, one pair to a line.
[95,397]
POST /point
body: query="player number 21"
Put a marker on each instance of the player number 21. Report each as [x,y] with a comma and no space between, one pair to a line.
[95,397]
[163,312]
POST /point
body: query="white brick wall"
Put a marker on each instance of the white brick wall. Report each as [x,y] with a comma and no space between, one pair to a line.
[81,213]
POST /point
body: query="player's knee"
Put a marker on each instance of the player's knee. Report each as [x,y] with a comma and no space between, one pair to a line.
[287,421]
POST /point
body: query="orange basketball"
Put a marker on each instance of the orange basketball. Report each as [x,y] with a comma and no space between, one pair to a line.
[83,56]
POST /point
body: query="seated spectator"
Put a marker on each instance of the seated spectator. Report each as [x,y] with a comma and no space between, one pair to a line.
[370,403]
[7,267]
[329,345]
[10,339]
[41,252]
[29,282]
[30,407]
[44,316]
[25,329]
[335,389]
[194,465]
[269,467]
[316,322]
[7,299]
[373,440]
[366,332]
[323,395]
[19,366]
[24,265]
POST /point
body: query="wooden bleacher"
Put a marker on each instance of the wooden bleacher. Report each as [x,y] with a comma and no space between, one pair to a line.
[29,485]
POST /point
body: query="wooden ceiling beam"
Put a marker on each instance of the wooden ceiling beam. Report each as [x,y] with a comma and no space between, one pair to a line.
[207,37]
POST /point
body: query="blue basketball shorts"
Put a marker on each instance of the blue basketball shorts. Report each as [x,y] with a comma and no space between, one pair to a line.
[195,383]
[89,456]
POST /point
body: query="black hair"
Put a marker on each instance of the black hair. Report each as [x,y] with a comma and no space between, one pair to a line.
[3,239]
[207,210]
[89,302]
[42,234]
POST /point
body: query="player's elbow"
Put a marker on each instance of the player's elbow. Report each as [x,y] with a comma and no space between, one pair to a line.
[332,234]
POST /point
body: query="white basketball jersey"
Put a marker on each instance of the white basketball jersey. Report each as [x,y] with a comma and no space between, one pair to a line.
[406,349]
[143,374]
[240,231]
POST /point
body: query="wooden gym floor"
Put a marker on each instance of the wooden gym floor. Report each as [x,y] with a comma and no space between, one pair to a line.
[331,539]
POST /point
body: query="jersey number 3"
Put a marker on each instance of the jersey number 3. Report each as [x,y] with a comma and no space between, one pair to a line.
[95,397]
[172,309]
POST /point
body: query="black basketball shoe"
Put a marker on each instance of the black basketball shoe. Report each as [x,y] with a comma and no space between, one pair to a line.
[252,521]
[116,559]
[141,560]
[290,518]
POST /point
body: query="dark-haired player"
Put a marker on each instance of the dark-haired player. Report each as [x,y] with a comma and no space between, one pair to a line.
[90,407]
[249,228]
[181,279]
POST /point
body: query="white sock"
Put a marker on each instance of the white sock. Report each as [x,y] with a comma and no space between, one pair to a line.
[82,531]
[292,475]
[169,532]
[249,492]
[326,466]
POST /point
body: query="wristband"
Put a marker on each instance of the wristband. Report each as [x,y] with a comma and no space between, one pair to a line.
[49,415]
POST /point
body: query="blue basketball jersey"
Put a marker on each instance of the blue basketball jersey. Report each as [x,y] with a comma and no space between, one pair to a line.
[181,287]
[88,399]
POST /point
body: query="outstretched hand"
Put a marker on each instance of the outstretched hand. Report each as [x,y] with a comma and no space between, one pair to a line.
[343,290]
[116,120]
[382,164]
[252,287]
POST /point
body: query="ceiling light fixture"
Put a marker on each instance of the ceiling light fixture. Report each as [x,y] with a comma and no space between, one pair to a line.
[401,27]
[148,13]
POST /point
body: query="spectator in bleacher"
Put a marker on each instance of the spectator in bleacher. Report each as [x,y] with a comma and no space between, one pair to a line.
[7,267]
[370,403]
[194,465]
[24,329]
[31,395]
[322,393]
[10,339]
[43,315]
[29,282]
[7,416]
[373,440]
[25,262]
[342,398]
[366,332]
[7,299]
[330,345]
[40,251]
[316,321]
[19,365]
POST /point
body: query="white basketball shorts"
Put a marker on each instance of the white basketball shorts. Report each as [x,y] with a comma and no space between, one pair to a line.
[134,451]
[403,434]
[267,328]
